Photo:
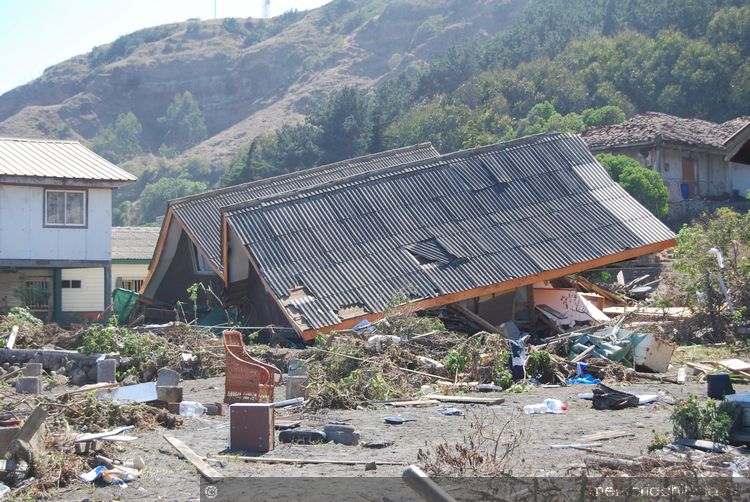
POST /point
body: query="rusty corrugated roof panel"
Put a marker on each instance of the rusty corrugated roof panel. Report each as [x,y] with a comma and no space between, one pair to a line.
[202,213]
[134,243]
[647,128]
[65,160]
[441,226]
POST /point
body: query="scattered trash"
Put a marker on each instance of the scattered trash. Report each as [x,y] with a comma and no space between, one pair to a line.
[377,445]
[548,406]
[341,434]
[487,387]
[113,476]
[450,412]
[191,408]
[606,398]
[289,402]
[397,420]
[371,466]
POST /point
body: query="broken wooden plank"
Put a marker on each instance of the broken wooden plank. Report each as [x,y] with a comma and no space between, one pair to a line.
[12,338]
[590,286]
[734,365]
[575,446]
[91,437]
[203,468]
[580,357]
[425,487]
[92,387]
[669,312]
[605,435]
[473,317]
[277,460]
[466,399]
[710,446]
[416,403]
[286,424]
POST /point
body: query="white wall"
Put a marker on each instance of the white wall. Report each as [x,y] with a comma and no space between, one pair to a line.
[90,297]
[23,235]
[712,174]
[740,178]
[239,265]
[128,271]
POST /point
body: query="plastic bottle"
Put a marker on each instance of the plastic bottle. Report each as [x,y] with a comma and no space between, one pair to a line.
[533,409]
[191,408]
[555,406]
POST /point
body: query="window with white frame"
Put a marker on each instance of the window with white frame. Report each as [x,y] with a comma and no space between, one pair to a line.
[65,208]
[130,283]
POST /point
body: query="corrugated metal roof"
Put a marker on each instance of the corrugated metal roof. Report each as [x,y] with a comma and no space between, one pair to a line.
[442,226]
[202,213]
[134,243]
[67,160]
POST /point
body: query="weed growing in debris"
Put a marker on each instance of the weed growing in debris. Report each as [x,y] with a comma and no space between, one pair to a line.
[94,414]
[456,361]
[487,450]
[658,442]
[540,366]
[693,421]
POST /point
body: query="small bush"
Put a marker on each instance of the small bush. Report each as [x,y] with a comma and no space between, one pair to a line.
[693,421]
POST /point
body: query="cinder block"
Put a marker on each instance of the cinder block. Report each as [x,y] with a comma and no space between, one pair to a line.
[169,393]
[29,385]
[251,427]
[296,387]
[167,378]
[32,369]
[341,434]
[106,371]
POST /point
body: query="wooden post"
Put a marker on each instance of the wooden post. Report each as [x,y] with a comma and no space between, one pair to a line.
[426,488]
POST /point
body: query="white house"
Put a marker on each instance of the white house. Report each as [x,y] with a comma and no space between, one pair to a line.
[55,228]
[696,158]
[132,249]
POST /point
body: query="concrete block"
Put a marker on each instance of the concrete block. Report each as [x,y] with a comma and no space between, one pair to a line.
[29,385]
[297,367]
[251,427]
[32,369]
[167,378]
[6,436]
[296,387]
[106,371]
[168,393]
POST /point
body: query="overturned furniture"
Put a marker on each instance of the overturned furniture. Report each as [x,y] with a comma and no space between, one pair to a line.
[247,379]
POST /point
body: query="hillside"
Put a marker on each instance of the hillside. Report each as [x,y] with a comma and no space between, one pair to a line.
[247,75]
[195,105]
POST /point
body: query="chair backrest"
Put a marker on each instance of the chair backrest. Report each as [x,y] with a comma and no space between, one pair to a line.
[232,338]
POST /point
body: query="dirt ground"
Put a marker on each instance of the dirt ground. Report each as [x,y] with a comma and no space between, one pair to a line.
[167,477]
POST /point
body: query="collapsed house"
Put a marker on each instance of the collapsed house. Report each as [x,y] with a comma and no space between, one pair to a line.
[477,227]
[188,250]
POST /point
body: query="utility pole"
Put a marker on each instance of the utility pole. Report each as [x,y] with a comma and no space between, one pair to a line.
[266,9]
[214,9]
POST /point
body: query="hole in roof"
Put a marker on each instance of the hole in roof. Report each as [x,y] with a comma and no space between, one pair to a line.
[429,251]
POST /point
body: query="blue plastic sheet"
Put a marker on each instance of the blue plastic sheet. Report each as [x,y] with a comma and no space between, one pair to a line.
[585,379]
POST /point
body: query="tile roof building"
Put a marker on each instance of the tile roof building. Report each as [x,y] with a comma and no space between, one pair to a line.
[696,158]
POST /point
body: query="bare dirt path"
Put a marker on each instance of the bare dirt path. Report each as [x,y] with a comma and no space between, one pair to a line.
[167,477]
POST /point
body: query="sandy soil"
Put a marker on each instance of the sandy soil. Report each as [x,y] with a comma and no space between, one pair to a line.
[167,477]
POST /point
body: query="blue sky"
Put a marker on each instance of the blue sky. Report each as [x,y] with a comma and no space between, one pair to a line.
[36,34]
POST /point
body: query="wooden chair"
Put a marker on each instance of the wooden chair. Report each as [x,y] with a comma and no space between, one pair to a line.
[247,379]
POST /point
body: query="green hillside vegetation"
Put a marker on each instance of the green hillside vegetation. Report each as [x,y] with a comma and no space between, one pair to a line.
[563,65]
